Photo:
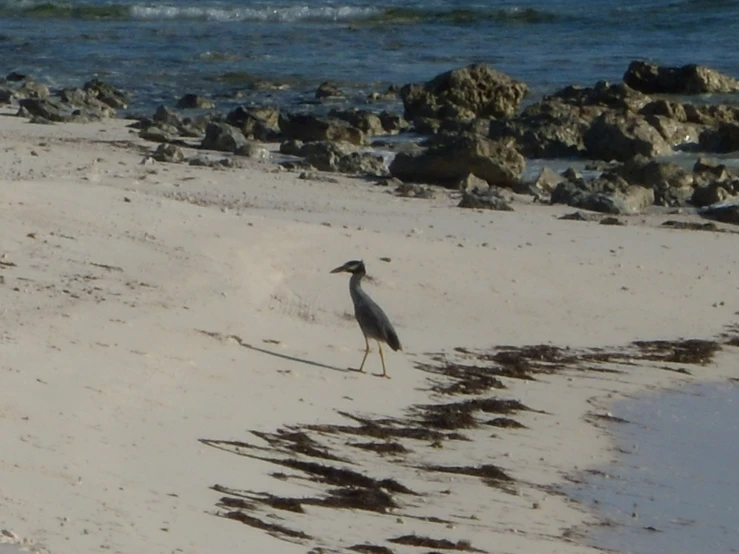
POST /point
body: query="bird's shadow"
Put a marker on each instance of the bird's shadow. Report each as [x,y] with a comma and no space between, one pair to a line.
[305,361]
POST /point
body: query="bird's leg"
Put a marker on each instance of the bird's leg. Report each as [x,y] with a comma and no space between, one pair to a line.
[382,359]
[366,353]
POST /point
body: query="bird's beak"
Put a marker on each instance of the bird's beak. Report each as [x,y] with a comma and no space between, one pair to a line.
[339,269]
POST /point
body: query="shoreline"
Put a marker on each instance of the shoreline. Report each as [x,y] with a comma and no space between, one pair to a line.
[121,264]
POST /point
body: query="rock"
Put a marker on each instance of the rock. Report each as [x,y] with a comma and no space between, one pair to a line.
[728,213]
[257,123]
[367,122]
[222,137]
[393,123]
[706,171]
[603,95]
[473,91]
[167,116]
[547,129]
[252,150]
[487,201]
[611,221]
[14,77]
[548,180]
[328,89]
[650,173]
[308,127]
[90,107]
[621,136]
[313,176]
[168,153]
[472,183]
[688,79]
[674,132]
[194,101]
[6,95]
[414,190]
[452,158]
[331,156]
[607,194]
[722,140]
[159,133]
[49,109]
[107,94]
[291,147]
[574,216]
[32,89]
[709,194]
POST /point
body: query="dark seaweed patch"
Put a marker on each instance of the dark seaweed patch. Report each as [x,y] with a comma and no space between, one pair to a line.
[442,544]
[489,473]
[381,447]
[459,415]
[370,549]
[693,351]
[271,528]
[297,442]
[505,423]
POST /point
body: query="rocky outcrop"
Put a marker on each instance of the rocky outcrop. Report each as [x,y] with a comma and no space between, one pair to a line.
[364,120]
[327,89]
[337,157]
[489,199]
[223,138]
[256,123]
[451,158]
[465,93]
[106,93]
[309,127]
[688,79]
[622,136]
[607,194]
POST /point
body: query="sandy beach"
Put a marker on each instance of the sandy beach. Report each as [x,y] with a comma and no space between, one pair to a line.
[152,311]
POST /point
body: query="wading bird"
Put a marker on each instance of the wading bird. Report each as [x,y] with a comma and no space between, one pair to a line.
[372,320]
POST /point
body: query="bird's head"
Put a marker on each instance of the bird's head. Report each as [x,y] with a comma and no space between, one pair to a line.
[354,267]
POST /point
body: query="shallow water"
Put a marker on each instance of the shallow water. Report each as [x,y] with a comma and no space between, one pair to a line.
[161,49]
[676,489]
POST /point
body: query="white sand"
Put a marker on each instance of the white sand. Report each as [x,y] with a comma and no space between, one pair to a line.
[107,383]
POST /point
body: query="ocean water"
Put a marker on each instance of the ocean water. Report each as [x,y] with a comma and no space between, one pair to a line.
[675,488]
[229,49]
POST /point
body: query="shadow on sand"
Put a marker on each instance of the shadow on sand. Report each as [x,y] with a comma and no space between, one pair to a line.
[305,361]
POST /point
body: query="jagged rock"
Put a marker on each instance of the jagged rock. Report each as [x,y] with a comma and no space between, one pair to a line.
[222,137]
[168,153]
[473,91]
[367,122]
[308,127]
[489,200]
[688,79]
[709,194]
[607,194]
[331,156]
[472,183]
[672,185]
[313,176]
[167,116]
[621,136]
[291,147]
[14,77]
[257,123]
[451,158]
[107,94]
[706,171]
[547,129]
[159,133]
[327,89]
[194,101]
[722,140]
[32,89]
[252,150]
[90,108]
[49,109]
[548,180]
[603,94]
[393,123]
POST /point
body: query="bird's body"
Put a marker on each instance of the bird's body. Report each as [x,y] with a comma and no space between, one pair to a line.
[373,322]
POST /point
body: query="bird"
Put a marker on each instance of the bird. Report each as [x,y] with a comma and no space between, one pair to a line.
[372,320]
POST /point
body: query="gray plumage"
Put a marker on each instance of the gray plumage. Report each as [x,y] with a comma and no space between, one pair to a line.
[373,322]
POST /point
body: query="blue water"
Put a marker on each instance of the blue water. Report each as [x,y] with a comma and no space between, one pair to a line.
[161,49]
[676,487]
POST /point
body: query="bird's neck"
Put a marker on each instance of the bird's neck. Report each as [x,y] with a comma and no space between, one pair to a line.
[354,283]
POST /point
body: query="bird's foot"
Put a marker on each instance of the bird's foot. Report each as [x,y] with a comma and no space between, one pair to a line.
[385,375]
